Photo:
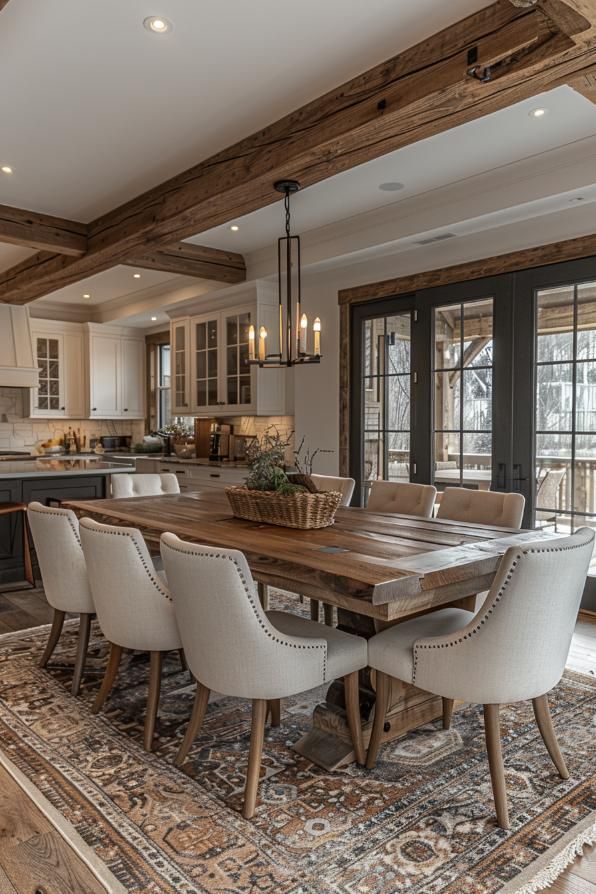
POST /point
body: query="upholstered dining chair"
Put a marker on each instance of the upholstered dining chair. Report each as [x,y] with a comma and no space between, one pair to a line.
[402,498]
[514,649]
[233,647]
[133,604]
[482,507]
[144,485]
[55,534]
[345,486]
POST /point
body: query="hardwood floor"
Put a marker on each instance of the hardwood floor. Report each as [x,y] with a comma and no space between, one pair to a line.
[33,855]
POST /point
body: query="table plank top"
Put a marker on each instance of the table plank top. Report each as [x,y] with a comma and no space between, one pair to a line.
[370,560]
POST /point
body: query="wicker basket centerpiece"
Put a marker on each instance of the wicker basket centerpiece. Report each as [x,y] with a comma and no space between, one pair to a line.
[301,509]
[273,497]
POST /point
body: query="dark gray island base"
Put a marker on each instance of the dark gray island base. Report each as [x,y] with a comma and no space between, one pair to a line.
[49,481]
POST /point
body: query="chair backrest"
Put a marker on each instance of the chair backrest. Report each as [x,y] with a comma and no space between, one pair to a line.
[445,464]
[61,561]
[516,646]
[133,604]
[402,498]
[344,485]
[547,495]
[229,643]
[144,485]
[482,507]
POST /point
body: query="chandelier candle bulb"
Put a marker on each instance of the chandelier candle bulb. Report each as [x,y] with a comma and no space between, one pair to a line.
[316,328]
[303,333]
[251,343]
[262,343]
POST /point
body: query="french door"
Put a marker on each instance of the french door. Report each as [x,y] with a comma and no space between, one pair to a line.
[488,384]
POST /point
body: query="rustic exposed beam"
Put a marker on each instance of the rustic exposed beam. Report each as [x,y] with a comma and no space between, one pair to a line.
[187,259]
[585,83]
[417,94]
[527,258]
[3,4]
[43,231]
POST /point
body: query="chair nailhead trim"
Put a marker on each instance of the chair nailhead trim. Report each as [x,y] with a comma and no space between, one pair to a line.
[61,513]
[419,646]
[150,574]
[251,599]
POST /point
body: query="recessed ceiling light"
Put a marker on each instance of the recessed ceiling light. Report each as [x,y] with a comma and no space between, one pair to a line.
[157,24]
[234,228]
[391,186]
[86,295]
[6,169]
[153,319]
[538,113]
[136,276]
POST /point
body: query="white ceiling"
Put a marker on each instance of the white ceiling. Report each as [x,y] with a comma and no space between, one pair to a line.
[114,283]
[452,157]
[95,108]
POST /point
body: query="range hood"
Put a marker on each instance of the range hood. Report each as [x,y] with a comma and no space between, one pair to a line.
[18,367]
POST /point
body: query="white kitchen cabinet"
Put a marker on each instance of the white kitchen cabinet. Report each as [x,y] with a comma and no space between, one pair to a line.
[212,375]
[194,477]
[116,374]
[60,352]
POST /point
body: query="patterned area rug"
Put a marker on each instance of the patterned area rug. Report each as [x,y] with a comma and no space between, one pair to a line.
[423,821]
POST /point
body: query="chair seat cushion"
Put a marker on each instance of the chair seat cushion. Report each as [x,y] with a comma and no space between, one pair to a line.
[345,653]
[392,650]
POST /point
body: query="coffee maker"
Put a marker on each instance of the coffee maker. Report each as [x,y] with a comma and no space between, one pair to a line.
[220,442]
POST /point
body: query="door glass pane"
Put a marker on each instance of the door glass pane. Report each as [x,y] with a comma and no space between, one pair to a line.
[232,390]
[245,390]
[566,406]
[386,384]
[463,393]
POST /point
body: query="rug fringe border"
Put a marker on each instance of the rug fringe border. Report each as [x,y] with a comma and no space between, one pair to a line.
[546,876]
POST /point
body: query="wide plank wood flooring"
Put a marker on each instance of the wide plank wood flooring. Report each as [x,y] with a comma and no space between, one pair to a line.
[33,855]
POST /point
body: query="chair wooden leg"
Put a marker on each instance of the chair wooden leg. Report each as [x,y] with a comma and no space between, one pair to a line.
[274,707]
[492,731]
[57,625]
[448,704]
[257,735]
[352,698]
[383,688]
[194,724]
[328,613]
[263,591]
[549,737]
[183,659]
[82,646]
[314,609]
[109,678]
[27,564]
[156,659]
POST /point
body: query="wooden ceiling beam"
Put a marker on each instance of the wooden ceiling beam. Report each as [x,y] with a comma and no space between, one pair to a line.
[187,259]
[423,91]
[42,231]
[3,3]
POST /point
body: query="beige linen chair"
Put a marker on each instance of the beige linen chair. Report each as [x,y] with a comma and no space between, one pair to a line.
[144,485]
[482,507]
[513,650]
[133,605]
[233,647]
[402,498]
[64,575]
[345,486]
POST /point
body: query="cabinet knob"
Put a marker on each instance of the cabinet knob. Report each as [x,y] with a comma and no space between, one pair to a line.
[94,409]
[62,408]
[215,475]
[126,409]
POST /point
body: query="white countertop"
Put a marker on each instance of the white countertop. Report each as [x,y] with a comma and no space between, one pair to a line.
[52,467]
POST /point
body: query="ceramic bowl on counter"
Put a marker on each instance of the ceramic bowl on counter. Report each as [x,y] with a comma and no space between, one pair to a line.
[184,448]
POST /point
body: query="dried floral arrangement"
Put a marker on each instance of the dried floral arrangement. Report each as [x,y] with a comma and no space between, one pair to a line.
[266,457]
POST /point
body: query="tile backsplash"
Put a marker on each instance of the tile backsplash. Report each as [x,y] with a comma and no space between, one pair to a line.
[19,432]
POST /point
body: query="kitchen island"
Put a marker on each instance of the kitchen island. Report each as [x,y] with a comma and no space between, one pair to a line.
[49,480]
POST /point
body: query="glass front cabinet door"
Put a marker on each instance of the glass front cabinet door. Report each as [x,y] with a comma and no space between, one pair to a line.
[221,378]
[48,398]
[180,337]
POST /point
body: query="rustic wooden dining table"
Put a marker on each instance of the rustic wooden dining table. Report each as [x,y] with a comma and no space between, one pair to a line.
[377,569]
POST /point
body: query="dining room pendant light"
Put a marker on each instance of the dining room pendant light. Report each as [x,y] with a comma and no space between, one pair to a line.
[297,345]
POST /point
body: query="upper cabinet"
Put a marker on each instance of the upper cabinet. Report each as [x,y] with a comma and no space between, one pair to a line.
[87,371]
[116,373]
[212,375]
[60,352]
